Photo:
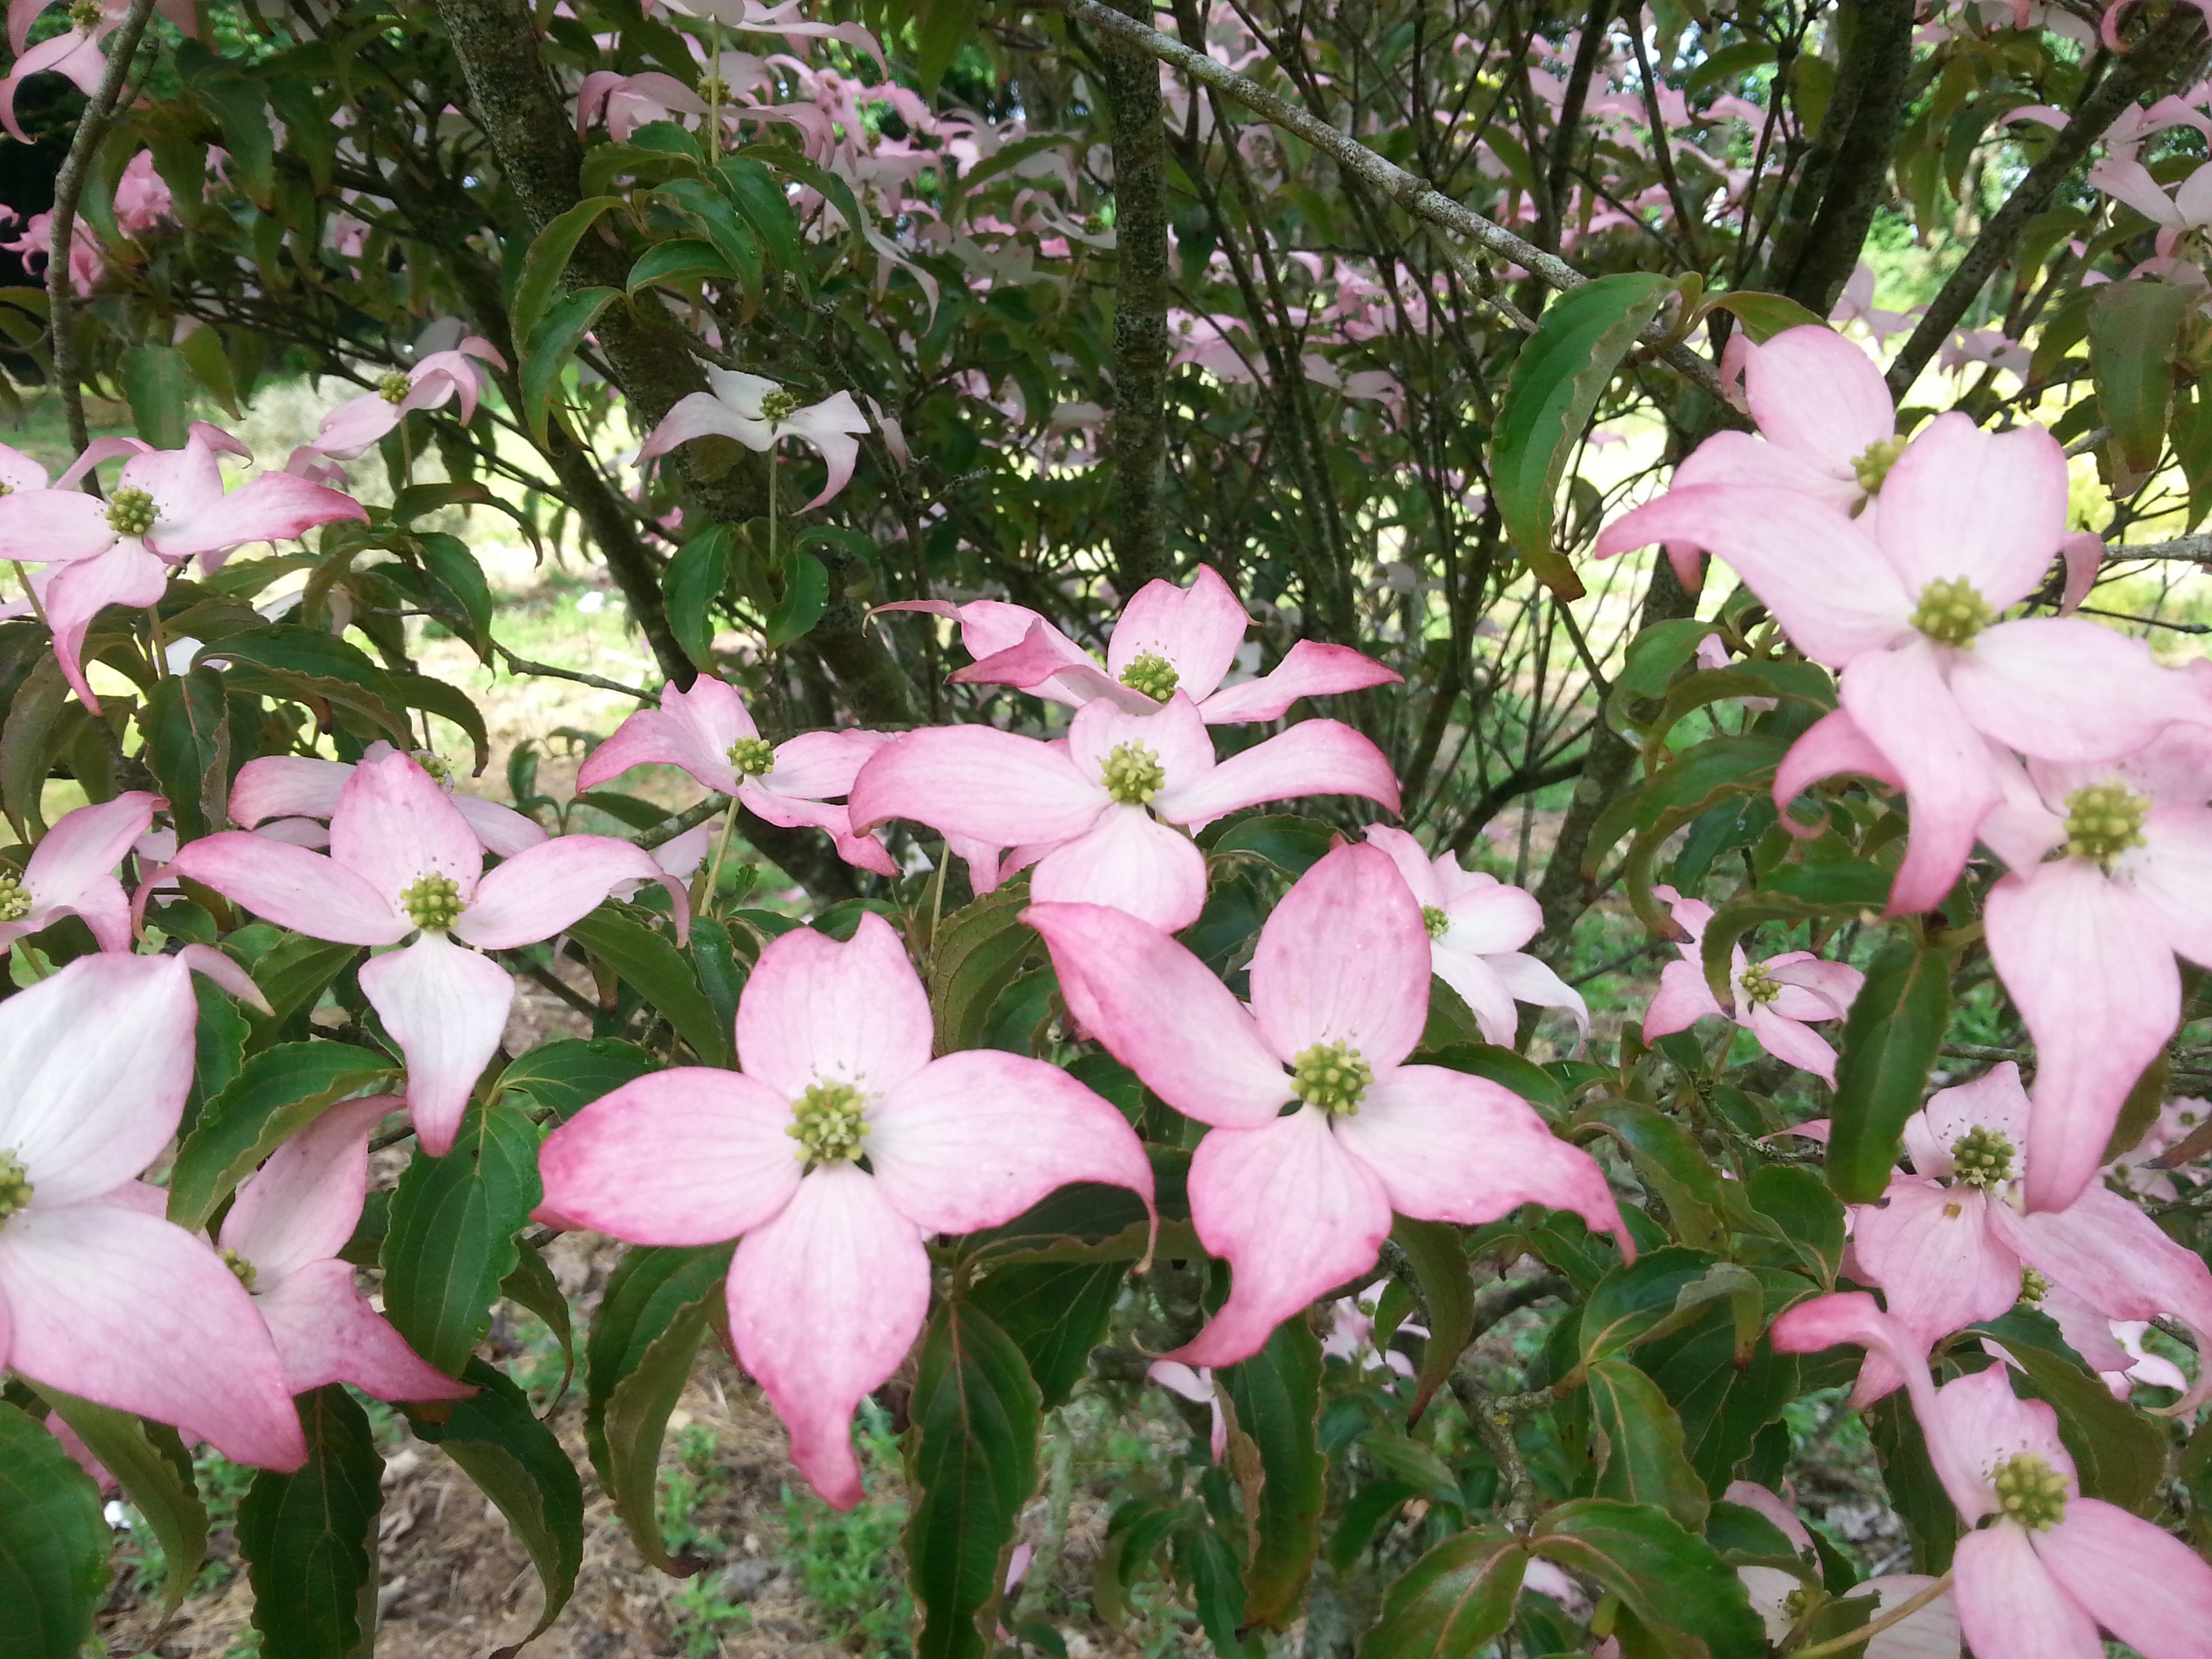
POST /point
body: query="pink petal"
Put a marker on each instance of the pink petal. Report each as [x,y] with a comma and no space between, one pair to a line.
[134,1312]
[285,787]
[822,765]
[824,1302]
[984,784]
[499,830]
[94,1065]
[125,574]
[1532,980]
[1993,1100]
[1812,988]
[2065,688]
[1173,732]
[1480,987]
[1820,574]
[1832,745]
[1899,700]
[2128,180]
[694,729]
[1492,918]
[1985,507]
[1161,1012]
[1344,958]
[1939,1261]
[833,427]
[182,482]
[972,1139]
[293,888]
[1682,999]
[446,1007]
[274,506]
[1930,1633]
[42,525]
[541,890]
[1314,757]
[864,851]
[325,1332]
[1047,662]
[1752,1496]
[815,1010]
[1743,459]
[690,1155]
[1197,629]
[395,825]
[302,1203]
[1979,1423]
[1854,1317]
[1450,1147]
[2009,1604]
[1309,669]
[2138,1581]
[1413,864]
[354,425]
[1293,1213]
[2097,989]
[1792,1044]
[86,844]
[1130,863]
[1814,392]
[702,415]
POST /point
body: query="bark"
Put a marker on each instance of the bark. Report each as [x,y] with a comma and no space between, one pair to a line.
[1136,435]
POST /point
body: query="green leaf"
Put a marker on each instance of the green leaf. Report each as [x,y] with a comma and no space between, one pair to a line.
[657,1305]
[972,1452]
[451,1237]
[1056,1313]
[457,577]
[759,198]
[155,381]
[185,721]
[1205,1560]
[1556,381]
[1763,316]
[649,961]
[1916,1492]
[448,702]
[546,352]
[1681,1176]
[277,1093]
[204,354]
[679,264]
[151,1464]
[692,581]
[2134,328]
[805,597]
[727,234]
[1890,1042]
[977,952]
[532,1285]
[517,1463]
[309,1538]
[941,28]
[301,663]
[547,258]
[1639,1442]
[561,1079]
[1451,1603]
[293,974]
[1659,1571]
[1805,1215]
[218,1048]
[1437,1253]
[1276,1397]
[54,1544]
[2117,1451]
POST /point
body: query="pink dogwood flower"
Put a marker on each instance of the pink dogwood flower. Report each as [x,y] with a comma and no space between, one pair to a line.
[1774,1000]
[168,506]
[1477,925]
[1299,1203]
[283,789]
[760,414]
[71,873]
[830,1283]
[1948,1243]
[282,1238]
[100,1296]
[1908,611]
[630,101]
[440,378]
[403,862]
[2041,1567]
[1167,639]
[709,731]
[1094,812]
[2085,941]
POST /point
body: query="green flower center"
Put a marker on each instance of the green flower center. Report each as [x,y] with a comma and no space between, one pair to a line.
[1332,1076]
[714,88]
[84,15]
[1982,1157]
[1759,986]
[2030,1492]
[239,1266]
[14,1186]
[753,756]
[433,903]
[829,1121]
[2104,820]
[1436,920]
[129,512]
[778,406]
[1093,223]
[15,899]
[1153,675]
[1874,464]
[394,387]
[435,764]
[1132,774]
[1952,612]
[2033,1286]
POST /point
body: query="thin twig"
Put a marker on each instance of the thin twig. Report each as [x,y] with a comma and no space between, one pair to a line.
[546,671]
[690,818]
[1873,1627]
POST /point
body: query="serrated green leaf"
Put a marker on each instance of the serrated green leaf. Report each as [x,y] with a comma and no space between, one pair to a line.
[692,581]
[662,976]
[1056,1313]
[1639,1442]
[154,380]
[1661,1572]
[2134,331]
[546,352]
[309,1538]
[1453,1601]
[977,952]
[805,597]
[277,1093]
[679,262]
[451,1235]
[54,1544]
[547,258]
[186,720]
[561,1079]
[155,1471]
[1276,1397]
[1890,1041]
[1436,1252]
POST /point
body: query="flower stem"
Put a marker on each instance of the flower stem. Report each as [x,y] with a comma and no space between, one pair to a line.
[1873,1627]
[703,903]
[30,594]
